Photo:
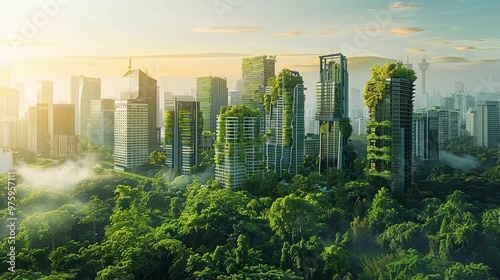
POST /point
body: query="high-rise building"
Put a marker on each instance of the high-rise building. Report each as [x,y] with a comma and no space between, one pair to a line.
[63,141]
[311,145]
[284,107]
[83,90]
[425,127]
[211,92]
[448,124]
[389,98]
[9,103]
[131,133]
[332,109]
[6,161]
[487,124]
[102,114]
[256,72]
[38,129]
[238,147]
[137,85]
[183,134]
[23,100]
[45,93]
[470,122]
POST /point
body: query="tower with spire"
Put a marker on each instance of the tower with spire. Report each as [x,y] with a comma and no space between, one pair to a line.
[423,66]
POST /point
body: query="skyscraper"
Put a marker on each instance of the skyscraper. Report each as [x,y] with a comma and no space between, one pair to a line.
[425,131]
[284,107]
[45,92]
[131,134]
[102,122]
[63,141]
[256,72]
[137,85]
[211,92]
[183,134]
[83,90]
[389,98]
[487,124]
[238,147]
[448,123]
[332,109]
[38,129]
[9,103]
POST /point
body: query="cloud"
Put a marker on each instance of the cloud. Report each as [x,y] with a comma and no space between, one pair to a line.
[404,6]
[414,50]
[450,59]
[404,30]
[487,60]
[436,42]
[456,27]
[327,32]
[237,29]
[463,48]
[27,43]
[369,30]
[291,33]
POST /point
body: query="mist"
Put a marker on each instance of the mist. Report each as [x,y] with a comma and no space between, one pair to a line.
[465,162]
[61,176]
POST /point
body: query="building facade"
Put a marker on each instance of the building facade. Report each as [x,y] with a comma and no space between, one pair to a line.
[83,90]
[102,120]
[45,92]
[212,94]
[183,136]
[332,107]
[130,134]
[389,98]
[487,124]
[38,129]
[63,141]
[137,85]
[238,148]
[284,121]
[256,72]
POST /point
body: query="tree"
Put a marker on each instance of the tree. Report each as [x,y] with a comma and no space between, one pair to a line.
[335,262]
[293,217]
[158,158]
[385,211]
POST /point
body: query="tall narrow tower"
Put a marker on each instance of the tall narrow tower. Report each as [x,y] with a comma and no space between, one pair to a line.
[332,110]
[423,66]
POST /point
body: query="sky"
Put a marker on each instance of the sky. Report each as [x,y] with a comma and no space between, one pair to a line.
[177,41]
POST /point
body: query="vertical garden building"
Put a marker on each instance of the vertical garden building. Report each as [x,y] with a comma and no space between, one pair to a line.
[332,110]
[284,138]
[183,129]
[238,147]
[389,98]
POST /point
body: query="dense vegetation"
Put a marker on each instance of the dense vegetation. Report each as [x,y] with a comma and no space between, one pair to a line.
[117,225]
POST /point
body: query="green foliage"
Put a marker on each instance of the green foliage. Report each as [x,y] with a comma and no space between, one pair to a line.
[157,158]
[168,117]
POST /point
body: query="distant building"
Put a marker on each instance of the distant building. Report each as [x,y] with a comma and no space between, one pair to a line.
[284,119]
[183,135]
[83,90]
[470,122]
[332,107]
[131,134]
[238,147]
[448,124]
[102,120]
[38,129]
[45,92]
[487,124]
[311,145]
[211,93]
[425,129]
[256,72]
[63,141]
[358,126]
[234,98]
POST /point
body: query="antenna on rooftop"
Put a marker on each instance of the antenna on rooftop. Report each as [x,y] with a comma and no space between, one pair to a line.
[130,63]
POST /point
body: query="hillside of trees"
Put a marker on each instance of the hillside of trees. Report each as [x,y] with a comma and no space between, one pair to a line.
[343,225]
